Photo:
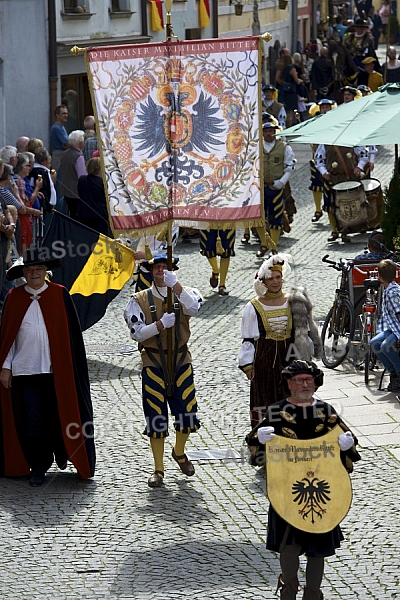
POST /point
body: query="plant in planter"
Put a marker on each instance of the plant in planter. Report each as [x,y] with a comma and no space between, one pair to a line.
[393,29]
[391,218]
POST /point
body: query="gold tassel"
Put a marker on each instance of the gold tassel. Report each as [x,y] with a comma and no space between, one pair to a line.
[147,252]
[270,242]
[219,247]
[162,235]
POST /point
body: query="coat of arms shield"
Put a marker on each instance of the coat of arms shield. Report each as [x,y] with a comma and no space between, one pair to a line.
[307,484]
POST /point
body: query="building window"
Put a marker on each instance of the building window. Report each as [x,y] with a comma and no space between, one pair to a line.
[120,5]
[76,6]
[75,94]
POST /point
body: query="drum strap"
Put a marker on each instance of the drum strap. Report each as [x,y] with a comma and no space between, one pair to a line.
[342,162]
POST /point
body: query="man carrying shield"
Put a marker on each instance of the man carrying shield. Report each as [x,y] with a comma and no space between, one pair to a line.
[301,416]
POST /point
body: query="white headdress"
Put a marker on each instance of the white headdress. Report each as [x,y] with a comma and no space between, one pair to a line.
[265,272]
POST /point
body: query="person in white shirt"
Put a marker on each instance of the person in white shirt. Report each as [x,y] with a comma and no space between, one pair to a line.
[165,383]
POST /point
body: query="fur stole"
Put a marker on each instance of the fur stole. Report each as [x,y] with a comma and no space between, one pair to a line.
[303,324]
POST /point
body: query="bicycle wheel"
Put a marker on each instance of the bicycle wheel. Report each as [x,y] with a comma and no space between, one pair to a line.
[337,332]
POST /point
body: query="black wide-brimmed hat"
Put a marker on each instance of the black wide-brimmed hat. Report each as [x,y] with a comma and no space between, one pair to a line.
[31,258]
[160,258]
[361,23]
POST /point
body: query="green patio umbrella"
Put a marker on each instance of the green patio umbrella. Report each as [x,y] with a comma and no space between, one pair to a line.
[371,120]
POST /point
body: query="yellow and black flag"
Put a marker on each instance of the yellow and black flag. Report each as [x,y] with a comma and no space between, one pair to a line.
[95,267]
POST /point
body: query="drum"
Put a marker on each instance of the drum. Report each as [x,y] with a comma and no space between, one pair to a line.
[374,195]
[350,206]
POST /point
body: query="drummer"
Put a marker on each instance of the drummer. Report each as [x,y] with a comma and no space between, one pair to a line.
[317,184]
[338,164]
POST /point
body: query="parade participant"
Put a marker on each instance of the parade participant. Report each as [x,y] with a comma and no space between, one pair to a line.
[271,106]
[147,318]
[317,183]
[385,343]
[45,393]
[279,164]
[368,76]
[360,43]
[350,93]
[148,246]
[336,165]
[276,327]
[364,89]
[322,75]
[214,243]
[301,415]
[290,208]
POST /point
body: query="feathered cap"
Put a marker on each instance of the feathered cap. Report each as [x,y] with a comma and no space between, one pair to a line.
[276,262]
[364,88]
[349,88]
[160,258]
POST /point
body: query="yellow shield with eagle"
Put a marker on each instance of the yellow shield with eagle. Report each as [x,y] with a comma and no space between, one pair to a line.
[307,484]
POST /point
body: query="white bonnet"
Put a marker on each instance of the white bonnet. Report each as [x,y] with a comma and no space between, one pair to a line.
[264,272]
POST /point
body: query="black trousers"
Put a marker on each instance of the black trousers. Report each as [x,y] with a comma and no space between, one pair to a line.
[37,421]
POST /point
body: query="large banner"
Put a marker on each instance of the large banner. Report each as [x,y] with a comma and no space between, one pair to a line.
[179,124]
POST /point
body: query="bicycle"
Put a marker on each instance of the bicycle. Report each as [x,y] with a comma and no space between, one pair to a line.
[339,324]
[369,319]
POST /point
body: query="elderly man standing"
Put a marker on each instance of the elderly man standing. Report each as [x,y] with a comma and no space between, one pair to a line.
[73,167]
[90,144]
[165,385]
[46,409]
[301,416]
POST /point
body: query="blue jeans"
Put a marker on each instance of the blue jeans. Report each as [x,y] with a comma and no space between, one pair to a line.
[384,345]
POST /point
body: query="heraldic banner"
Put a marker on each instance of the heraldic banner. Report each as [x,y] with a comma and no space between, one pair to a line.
[179,124]
[307,484]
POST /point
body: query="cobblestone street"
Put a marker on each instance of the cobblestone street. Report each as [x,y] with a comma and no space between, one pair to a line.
[203,538]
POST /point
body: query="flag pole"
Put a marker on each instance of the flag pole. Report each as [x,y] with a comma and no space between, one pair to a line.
[169,34]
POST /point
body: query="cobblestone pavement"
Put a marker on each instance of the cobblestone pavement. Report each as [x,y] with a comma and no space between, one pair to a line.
[201,538]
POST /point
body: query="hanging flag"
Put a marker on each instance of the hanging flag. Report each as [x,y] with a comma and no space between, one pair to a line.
[179,124]
[204,13]
[156,11]
[94,269]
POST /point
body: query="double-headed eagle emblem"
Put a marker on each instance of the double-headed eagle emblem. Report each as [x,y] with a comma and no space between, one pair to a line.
[312,493]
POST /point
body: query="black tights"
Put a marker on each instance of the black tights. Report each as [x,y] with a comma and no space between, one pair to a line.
[289,559]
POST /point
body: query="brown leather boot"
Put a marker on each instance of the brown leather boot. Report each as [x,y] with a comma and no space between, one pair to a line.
[288,590]
[312,594]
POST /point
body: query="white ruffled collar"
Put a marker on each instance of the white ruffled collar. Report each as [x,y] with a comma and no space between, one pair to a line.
[35,294]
